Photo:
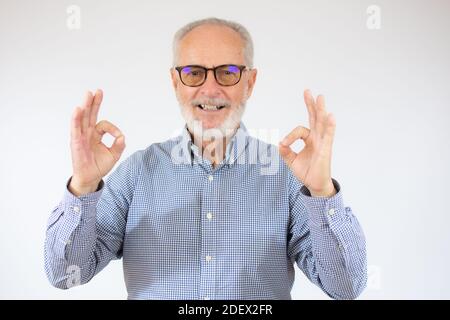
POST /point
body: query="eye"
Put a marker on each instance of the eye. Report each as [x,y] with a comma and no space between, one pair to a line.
[232,69]
[192,72]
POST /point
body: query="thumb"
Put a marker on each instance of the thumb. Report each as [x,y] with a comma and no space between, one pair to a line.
[117,147]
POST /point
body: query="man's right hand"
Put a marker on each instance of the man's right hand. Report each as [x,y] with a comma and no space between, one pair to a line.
[91,159]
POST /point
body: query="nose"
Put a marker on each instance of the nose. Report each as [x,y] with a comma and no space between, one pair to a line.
[210,87]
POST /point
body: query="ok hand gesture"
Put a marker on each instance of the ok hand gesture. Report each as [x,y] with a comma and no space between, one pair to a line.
[312,165]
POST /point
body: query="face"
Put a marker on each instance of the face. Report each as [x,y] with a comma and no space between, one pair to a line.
[211,46]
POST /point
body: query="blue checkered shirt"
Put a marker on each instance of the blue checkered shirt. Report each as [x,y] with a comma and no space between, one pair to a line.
[188,230]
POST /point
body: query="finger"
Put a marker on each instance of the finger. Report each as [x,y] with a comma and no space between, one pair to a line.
[309,101]
[117,147]
[95,107]
[86,111]
[321,115]
[298,133]
[287,154]
[329,130]
[76,123]
[107,127]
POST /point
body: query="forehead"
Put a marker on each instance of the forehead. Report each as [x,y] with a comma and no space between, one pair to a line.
[211,45]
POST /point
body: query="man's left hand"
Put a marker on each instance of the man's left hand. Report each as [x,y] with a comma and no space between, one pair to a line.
[312,165]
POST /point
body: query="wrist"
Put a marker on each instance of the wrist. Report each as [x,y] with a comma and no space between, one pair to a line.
[329,191]
[79,189]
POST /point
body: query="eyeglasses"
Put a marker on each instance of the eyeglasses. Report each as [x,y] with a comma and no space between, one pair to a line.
[225,75]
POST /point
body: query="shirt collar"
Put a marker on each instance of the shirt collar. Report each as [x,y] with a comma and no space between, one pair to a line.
[233,151]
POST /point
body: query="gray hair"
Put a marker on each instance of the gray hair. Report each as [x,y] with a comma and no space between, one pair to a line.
[245,35]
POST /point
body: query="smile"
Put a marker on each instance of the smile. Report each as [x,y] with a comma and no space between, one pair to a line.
[209,107]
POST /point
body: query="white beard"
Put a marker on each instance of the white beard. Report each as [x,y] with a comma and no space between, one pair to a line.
[225,130]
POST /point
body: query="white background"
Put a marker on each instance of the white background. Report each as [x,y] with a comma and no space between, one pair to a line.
[388,88]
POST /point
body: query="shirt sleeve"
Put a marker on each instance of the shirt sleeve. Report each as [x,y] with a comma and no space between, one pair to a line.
[327,242]
[85,233]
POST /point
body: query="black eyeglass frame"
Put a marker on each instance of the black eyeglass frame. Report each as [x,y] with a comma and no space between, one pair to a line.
[242,68]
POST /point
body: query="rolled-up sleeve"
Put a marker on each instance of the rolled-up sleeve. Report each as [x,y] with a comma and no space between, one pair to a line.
[327,242]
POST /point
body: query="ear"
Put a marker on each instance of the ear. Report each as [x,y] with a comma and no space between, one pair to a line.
[174,76]
[251,81]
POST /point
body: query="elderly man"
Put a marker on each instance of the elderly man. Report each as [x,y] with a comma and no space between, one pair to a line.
[198,217]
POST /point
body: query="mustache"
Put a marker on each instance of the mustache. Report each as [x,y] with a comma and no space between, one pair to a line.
[211,102]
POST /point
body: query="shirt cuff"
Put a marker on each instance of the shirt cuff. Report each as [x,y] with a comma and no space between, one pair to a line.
[82,205]
[325,210]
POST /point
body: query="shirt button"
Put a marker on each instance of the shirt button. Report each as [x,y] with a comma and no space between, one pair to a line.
[209,215]
[331,211]
[208,258]
[76,208]
[210,178]
[206,298]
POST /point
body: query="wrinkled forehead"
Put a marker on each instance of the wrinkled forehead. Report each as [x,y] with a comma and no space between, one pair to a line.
[211,45]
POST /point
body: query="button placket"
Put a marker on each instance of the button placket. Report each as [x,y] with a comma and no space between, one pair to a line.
[208,276]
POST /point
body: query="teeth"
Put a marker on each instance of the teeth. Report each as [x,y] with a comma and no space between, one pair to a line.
[209,107]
